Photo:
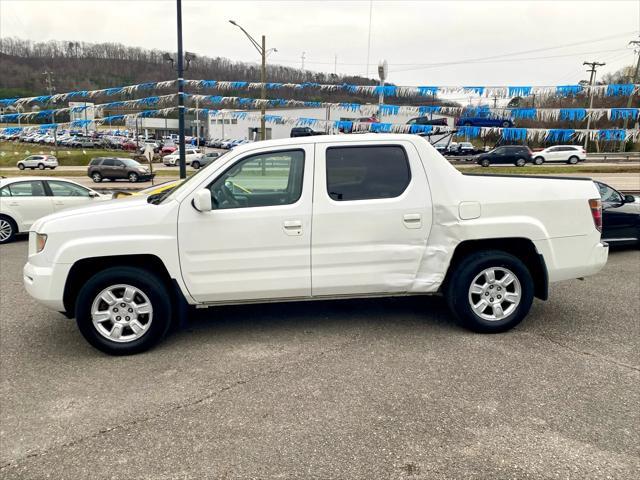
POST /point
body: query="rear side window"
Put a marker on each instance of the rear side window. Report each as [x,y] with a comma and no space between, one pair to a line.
[108,162]
[27,189]
[95,161]
[364,173]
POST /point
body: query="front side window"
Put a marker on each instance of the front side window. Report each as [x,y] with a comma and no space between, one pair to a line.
[27,189]
[65,189]
[5,192]
[108,162]
[364,173]
[262,180]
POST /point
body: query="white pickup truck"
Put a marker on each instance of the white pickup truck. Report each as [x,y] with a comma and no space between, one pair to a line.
[315,218]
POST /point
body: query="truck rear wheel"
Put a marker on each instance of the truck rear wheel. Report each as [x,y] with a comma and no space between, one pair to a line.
[123,310]
[490,292]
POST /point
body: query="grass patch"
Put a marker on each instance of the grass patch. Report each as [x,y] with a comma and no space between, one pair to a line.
[6,172]
[11,152]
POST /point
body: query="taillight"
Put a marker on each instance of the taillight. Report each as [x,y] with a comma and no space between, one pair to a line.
[596,212]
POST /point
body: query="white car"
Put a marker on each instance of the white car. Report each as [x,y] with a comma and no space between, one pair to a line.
[38,161]
[571,154]
[317,217]
[173,159]
[23,200]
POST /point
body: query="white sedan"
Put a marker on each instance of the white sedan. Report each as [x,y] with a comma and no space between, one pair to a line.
[23,200]
[38,161]
[571,154]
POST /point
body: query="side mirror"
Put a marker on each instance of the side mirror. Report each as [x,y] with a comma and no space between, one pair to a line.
[94,194]
[629,199]
[202,200]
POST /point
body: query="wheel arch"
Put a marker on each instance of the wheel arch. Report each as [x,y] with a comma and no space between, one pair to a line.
[85,268]
[522,248]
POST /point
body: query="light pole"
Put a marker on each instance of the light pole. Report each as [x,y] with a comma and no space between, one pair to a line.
[262,50]
[383,70]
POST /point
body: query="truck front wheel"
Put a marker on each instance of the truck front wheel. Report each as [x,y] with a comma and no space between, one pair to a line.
[490,291]
[123,310]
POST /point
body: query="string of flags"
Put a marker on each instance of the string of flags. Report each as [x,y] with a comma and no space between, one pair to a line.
[347,126]
[516,113]
[504,91]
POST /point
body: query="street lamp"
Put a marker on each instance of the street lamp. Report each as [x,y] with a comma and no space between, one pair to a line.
[262,50]
[383,70]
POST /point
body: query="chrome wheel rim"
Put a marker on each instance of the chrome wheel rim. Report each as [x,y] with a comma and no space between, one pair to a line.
[121,313]
[495,293]
[5,230]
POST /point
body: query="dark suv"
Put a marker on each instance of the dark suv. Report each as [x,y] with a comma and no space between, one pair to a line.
[117,168]
[519,155]
[304,132]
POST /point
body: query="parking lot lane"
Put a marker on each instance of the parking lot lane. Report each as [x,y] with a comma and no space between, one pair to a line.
[337,389]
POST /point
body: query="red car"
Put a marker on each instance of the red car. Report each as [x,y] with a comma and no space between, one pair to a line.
[129,145]
[168,149]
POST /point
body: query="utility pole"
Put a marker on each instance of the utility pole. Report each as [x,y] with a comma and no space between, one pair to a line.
[262,50]
[197,126]
[592,70]
[302,57]
[495,102]
[49,81]
[636,43]
[335,64]
[181,145]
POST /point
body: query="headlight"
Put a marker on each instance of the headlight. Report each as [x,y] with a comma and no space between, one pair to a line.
[41,241]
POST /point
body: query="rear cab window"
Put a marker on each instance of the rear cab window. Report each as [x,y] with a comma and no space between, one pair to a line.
[367,172]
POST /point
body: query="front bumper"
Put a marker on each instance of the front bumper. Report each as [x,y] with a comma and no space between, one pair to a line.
[46,284]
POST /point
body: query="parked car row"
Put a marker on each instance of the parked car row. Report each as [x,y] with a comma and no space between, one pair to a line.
[227,143]
[520,155]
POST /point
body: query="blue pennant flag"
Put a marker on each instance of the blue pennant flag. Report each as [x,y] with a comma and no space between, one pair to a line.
[307,122]
[425,109]
[79,93]
[629,113]
[514,133]
[354,107]
[528,113]
[239,84]
[388,90]
[427,91]
[80,123]
[343,125]
[389,109]
[215,98]
[273,118]
[519,91]
[471,132]
[380,127]
[313,104]
[148,101]
[612,134]
[246,101]
[273,85]
[568,90]
[43,98]
[148,113]
[112,118]
[624,89]
[8,101]
[208,83]
[147,85]
[420,128]
[112,91]
[573,113]
[560,134]
[9,117]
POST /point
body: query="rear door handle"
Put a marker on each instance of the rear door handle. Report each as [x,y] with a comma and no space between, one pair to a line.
[14,204]
[292,227]
[59,202]
[412,220]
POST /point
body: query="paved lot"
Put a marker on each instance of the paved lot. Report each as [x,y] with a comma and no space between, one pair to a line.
[350,389]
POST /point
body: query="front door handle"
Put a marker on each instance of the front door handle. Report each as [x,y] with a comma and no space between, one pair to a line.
[292,227]
[412,220]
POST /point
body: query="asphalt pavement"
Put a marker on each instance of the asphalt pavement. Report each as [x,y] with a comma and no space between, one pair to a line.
[386,388]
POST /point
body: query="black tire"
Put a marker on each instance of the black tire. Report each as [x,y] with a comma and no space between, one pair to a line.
[573,160]
[133,177]
[41,166]
[21,166]
[6,221]
[538,161]
[141,279]
[458,286]
[521,162]
[195,165]
[485,162]
[96,177]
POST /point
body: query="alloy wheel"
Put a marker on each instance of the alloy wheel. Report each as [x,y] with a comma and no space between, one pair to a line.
[495,293]
[6,230]
[122,313]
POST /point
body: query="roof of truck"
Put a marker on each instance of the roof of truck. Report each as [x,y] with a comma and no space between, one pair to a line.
[346,138]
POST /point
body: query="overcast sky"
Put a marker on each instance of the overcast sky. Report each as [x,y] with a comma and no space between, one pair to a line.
[552,38]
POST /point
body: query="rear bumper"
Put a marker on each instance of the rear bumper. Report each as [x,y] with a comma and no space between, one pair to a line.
[573,257]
